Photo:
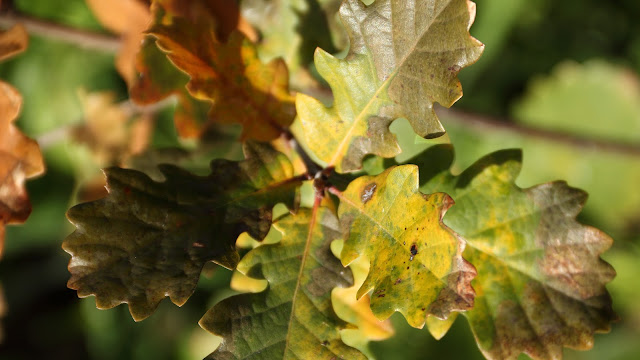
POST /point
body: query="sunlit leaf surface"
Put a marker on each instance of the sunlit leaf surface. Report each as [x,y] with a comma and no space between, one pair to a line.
[416,261]
[293,318]
[541,282]
[404,56]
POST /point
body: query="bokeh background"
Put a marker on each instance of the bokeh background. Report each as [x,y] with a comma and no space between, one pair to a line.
[571,67]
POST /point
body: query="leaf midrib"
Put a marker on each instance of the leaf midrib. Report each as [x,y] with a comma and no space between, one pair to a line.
[382,86]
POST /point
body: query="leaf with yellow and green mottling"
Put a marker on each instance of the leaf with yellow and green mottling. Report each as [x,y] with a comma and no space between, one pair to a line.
[416,261]
[358,311]
[148,240]
[404,56]
[224,71]
[541,282]
[293,318]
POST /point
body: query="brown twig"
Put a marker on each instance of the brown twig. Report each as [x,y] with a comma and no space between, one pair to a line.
[476,122]
[84,39]
[483,123]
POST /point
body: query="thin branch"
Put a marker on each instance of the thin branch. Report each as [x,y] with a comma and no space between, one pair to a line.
[130,108]
[313,169]
[475,122]
[81,38]
[482,123]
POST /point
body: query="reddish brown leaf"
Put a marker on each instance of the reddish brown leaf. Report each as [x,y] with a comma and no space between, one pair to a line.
[128,18]
[158,79]
[20,158]
[13,42]
[228,74]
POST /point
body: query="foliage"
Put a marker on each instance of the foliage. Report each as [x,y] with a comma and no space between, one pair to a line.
[361,234]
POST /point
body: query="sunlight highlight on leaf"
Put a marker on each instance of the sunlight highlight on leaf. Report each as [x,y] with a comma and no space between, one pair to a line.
[404,56]
[225,71]
[541,282]
[416,261]
[293,318]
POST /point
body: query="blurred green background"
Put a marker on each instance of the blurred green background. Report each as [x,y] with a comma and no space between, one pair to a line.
[570,66]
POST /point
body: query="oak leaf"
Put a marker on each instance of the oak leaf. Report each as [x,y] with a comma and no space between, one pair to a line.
[110,130]
[541,282]
[225,71]
[148,239]
[20,156]
[404,56]
[293,318]
[358,311]
[127,18]
[416,261]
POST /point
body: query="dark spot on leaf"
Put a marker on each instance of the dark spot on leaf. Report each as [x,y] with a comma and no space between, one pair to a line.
[422,309]
[414,251]
[367,192]
[381,295]
[397,282]
[324,343]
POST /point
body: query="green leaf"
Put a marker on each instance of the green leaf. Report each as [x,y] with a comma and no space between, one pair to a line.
[148,240]
[541,282]
[404,57]
[416,262]
[577,98]
[293,318]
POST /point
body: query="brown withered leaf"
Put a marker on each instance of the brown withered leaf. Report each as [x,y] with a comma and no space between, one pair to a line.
[13,42]
[110,130]
[127,18]
[20,156]
[157,78]
[224,71]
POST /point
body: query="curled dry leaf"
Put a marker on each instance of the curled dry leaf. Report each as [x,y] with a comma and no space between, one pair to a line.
[404,56]
[110,130]
[416,261]
[148,240]
[20,156]
[541,281]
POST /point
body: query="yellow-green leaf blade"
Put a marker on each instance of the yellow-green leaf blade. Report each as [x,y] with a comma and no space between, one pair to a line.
[416,262]
[148,240]
[404,57]
[293,318]
[541,282]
